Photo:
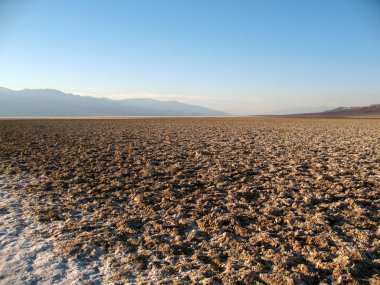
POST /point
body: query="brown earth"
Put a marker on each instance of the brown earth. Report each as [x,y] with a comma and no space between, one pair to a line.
[207,200]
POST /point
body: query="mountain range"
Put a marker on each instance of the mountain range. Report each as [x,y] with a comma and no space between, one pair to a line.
[50,102]
[366,111]
[356,111]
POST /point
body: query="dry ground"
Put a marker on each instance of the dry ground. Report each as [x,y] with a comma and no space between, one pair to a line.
[206,200]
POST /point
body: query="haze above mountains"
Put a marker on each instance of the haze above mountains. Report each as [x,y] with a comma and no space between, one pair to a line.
[54,103]
[50,102]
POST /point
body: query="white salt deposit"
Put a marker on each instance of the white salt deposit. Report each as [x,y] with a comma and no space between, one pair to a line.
[26,252]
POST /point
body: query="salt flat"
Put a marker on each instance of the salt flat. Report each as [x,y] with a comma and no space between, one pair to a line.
[192,200]
[26,252]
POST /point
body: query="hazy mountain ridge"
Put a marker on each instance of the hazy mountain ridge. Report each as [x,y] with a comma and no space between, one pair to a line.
[51,102]
[371,109]
[366,111]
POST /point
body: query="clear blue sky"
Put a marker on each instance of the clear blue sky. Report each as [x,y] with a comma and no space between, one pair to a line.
[244,57]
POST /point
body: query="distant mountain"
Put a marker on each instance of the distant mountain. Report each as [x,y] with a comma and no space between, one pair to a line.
[356,111]
[367,111]
[50,102]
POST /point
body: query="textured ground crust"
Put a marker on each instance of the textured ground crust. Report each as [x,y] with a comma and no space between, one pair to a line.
[26,248]
[204,200]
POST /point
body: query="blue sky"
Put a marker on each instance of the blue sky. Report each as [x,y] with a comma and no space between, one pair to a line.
[243,57]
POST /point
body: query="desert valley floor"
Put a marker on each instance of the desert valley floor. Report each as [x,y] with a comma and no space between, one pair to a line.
[190,201]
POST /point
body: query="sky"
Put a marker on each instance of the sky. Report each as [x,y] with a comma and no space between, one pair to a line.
[243,56]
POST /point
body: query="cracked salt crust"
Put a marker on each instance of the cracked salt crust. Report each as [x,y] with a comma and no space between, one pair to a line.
[26,254]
